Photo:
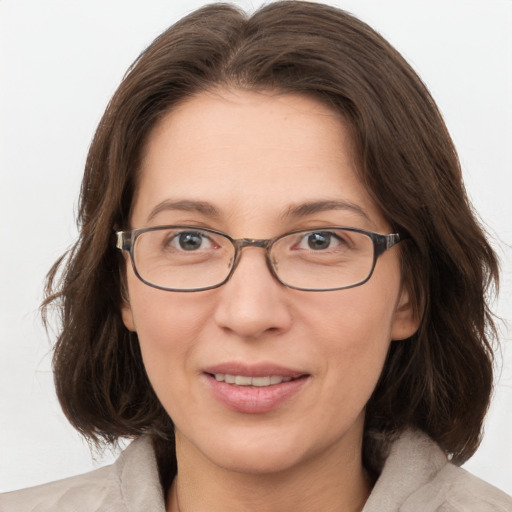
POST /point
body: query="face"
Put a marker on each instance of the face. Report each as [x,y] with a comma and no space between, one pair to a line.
[240,162]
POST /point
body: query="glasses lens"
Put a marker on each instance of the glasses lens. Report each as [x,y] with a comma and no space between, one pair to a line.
[183,258]
[323,259]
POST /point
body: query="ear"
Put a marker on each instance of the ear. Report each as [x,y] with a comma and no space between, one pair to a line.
[127,315]
[406,320]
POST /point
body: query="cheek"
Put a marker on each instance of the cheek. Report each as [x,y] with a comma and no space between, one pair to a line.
[353,369]
[356,317]
[168,333]
[168,327]
[352,334]
[358,346]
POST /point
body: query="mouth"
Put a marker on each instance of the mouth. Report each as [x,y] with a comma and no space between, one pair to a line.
[244,380]
[256,388]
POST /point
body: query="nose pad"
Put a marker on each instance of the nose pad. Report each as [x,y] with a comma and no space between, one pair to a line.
[253,301]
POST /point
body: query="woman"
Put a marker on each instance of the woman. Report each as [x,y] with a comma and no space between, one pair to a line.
[279,284]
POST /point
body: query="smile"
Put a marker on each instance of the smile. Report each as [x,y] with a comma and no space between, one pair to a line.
[258,393]
[244,380]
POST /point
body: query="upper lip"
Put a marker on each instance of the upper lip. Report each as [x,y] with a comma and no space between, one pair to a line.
[253,370]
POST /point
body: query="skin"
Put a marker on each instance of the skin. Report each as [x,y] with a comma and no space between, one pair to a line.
[253,157]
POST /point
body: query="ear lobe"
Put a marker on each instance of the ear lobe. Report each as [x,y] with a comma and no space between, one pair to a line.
[406,320]
[127,315]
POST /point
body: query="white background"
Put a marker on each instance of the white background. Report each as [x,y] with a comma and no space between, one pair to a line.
[61,61]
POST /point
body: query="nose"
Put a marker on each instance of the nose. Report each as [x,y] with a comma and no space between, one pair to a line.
[253,303]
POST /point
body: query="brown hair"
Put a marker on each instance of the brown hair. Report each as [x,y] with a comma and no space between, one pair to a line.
[439,380]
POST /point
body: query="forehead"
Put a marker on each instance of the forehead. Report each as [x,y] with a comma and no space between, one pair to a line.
[250,154]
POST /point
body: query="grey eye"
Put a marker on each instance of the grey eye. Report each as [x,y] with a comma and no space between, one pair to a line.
[318,241]
[190,241]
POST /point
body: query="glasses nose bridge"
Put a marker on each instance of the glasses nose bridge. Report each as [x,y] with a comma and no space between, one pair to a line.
[252,242]
[240,243]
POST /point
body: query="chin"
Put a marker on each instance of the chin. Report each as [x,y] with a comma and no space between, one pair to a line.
[256,460]
[250,451]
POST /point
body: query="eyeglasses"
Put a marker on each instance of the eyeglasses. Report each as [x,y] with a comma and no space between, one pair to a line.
[188,258]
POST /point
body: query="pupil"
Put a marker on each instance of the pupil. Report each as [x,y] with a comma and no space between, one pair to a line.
[319,240]
[190,241]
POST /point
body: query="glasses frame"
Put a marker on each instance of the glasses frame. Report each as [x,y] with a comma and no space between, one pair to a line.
[125,241]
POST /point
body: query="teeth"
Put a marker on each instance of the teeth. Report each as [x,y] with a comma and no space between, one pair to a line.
[230,379]
[240,380]
[261,381]
[243,380]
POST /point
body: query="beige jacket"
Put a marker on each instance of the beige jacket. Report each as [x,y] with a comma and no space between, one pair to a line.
[416,478]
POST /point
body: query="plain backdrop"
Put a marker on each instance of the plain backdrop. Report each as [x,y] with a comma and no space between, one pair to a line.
[61,61]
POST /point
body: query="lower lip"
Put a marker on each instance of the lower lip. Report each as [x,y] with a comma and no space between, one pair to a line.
[253,399]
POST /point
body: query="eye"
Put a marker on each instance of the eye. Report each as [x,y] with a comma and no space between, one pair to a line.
[190,241]
[320,240]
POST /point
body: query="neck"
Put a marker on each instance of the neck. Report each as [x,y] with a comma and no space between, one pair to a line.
[331,482]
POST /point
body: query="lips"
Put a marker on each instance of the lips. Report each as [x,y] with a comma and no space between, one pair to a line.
[254,388]
[253,370]
[243,380]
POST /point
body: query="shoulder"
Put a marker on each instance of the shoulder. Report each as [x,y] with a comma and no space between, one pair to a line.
[454,489]
[83,492]
[417,477]
[130,484]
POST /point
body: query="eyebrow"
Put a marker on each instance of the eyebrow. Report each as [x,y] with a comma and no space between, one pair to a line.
[294,211]
[312,207]
[185,205]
